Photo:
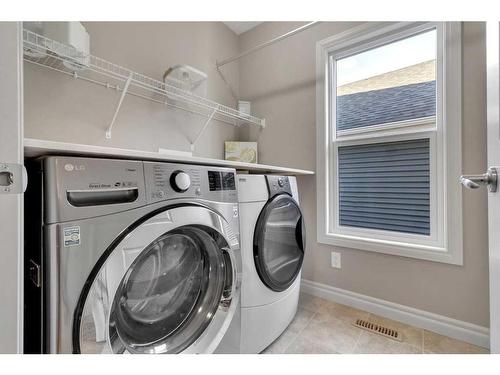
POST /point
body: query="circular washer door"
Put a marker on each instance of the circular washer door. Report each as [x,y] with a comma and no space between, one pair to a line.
[167,287]
[279,242]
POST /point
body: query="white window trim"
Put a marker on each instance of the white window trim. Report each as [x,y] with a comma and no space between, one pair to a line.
[445,244]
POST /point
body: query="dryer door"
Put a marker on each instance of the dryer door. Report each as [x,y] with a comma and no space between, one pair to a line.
[279,242]
[167,286]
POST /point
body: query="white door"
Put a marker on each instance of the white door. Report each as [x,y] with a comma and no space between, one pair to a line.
[11,201]
[490,178]
[493,51]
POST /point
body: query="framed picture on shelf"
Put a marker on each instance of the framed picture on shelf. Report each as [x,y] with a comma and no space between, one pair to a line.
[241,151]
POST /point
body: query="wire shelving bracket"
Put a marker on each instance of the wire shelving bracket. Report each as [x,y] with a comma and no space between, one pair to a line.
[193,143]
[124,92]
[48,53]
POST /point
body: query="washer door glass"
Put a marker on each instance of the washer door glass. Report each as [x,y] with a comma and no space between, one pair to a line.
[279,242]
[166,298]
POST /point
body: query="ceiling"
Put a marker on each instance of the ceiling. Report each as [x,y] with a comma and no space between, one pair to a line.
[239,27]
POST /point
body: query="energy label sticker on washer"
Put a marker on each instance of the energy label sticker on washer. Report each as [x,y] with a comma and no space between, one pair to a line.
[71,236]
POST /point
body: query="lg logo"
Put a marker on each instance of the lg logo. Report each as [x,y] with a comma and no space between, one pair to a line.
[70,167]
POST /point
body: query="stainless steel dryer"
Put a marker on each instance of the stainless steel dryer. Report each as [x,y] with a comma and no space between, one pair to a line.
[137,257]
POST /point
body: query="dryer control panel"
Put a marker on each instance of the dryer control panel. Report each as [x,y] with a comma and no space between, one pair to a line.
[168,181]
[277,185]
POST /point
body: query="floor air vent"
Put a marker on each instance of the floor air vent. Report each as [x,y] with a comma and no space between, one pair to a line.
[376,328]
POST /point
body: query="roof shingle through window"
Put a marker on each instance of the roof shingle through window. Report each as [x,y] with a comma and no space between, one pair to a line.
[385,106]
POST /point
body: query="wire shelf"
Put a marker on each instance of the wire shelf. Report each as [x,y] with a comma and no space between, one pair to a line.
[51,54]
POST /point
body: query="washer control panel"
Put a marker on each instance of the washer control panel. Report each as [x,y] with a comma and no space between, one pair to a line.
[168,181]
[180,181]
[219,180]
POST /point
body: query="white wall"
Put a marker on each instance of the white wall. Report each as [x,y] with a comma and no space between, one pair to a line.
[57,107]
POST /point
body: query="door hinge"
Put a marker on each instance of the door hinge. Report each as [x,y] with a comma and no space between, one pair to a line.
[13,178]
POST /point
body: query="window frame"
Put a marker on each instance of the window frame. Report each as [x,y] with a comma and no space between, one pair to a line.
[443,131]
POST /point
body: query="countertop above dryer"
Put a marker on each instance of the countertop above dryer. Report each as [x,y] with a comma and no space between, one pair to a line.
[39,147]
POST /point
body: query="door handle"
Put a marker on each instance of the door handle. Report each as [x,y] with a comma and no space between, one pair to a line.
[474,181]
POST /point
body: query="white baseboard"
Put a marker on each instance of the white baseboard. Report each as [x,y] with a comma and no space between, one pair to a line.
[457,329]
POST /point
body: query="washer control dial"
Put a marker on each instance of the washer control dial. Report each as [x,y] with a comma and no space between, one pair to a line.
[180,181]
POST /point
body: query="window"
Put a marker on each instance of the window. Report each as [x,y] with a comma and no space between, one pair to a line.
[389,144]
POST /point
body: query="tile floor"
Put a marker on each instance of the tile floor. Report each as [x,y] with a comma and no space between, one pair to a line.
[321,326]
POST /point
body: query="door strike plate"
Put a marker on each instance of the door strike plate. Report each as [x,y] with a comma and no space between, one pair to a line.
[13,178]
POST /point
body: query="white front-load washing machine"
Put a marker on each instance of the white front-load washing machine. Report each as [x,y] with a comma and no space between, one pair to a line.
[272,249]
[131,257]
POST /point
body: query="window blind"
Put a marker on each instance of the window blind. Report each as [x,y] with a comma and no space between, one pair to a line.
[385,186]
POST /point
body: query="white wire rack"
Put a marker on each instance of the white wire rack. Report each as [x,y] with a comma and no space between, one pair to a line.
[51,54]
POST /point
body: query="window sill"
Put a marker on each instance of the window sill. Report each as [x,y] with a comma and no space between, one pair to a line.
[420,125]
[424,252]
